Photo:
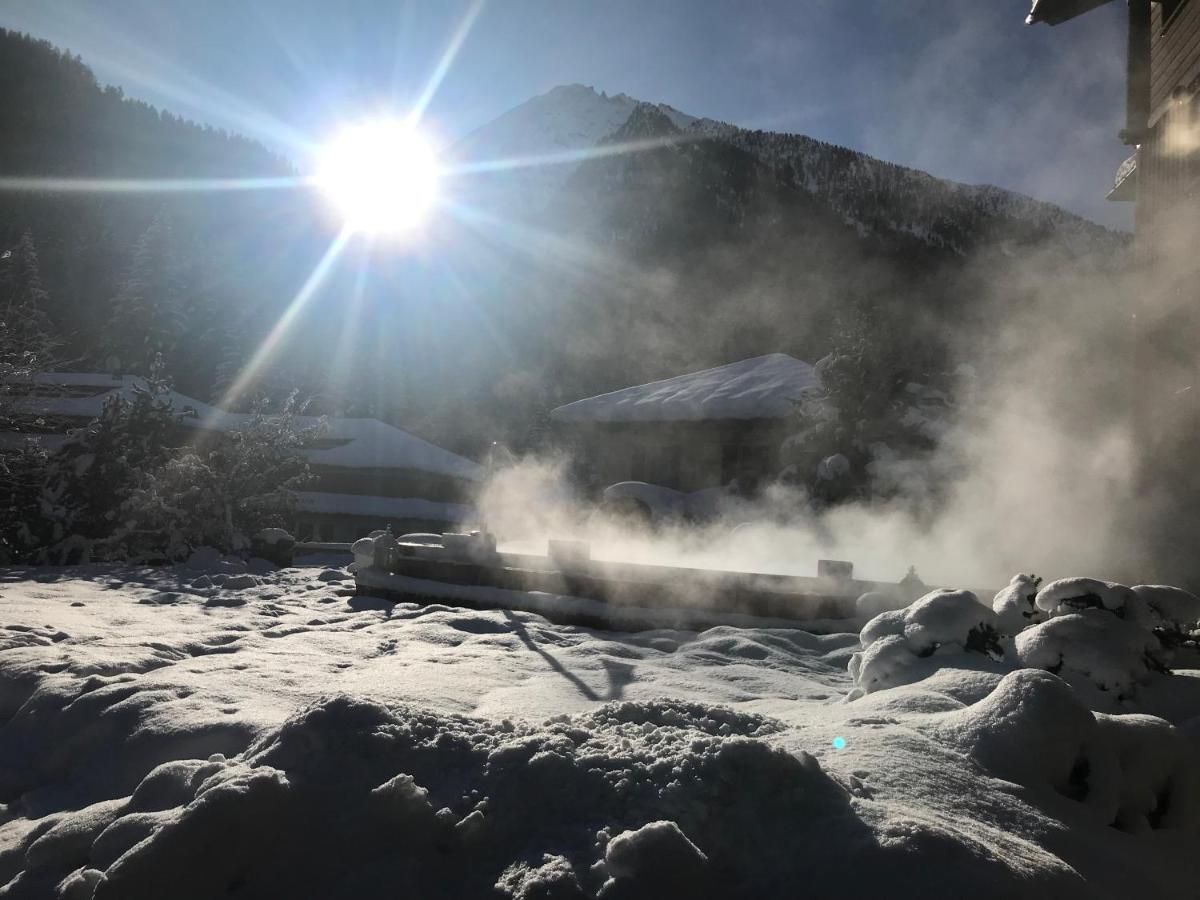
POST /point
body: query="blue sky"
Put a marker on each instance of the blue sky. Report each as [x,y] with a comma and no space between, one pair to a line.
[964,90]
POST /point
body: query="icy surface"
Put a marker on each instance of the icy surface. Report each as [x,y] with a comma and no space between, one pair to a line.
[314,743]
[764,387]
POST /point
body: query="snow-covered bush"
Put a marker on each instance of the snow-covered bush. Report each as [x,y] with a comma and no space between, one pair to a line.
[940,622]
[1014,605]
[1092,646]
[1135,772]
[220,493]
[121,489]
[1103,638]
[1067,595]
[91,477]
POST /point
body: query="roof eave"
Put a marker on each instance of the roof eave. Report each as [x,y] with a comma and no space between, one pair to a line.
[1055,12]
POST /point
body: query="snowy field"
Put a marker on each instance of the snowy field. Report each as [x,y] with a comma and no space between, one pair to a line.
[274,736]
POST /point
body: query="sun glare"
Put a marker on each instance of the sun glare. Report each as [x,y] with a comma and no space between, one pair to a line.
[381,175]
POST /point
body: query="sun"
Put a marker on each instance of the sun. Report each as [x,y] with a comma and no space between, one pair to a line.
[381,175]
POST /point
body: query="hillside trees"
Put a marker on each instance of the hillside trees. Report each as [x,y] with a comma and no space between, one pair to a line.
[139,485]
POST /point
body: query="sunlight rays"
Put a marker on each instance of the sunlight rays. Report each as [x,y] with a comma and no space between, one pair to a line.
[448,56]
[270,344]
[565,157]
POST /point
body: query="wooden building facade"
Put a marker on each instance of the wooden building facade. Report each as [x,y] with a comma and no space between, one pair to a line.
[1162,179]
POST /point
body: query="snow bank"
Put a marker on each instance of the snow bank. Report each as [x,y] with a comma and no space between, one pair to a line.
[309,743]
[352,798]
[1136,773]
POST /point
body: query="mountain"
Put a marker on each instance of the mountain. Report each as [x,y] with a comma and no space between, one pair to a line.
[568,119]
[873,196]
[666,243]
[650,243]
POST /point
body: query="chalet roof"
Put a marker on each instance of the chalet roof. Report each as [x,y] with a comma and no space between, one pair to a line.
[348,443]
[1055,12]
[764,387]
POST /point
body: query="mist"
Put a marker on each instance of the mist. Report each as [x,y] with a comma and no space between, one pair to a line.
[1038,471]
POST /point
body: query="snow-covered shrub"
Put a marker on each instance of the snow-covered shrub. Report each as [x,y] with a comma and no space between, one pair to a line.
[1033,729]
[1094,646]
[1068,595]
[218,494]
[1135,772]
[1172,613]
[122,489]
[941,621]
[1014,605]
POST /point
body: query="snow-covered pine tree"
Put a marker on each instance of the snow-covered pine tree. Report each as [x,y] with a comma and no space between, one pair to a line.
[89,480]
[148,315]
[224,489]
[28,346]
[27,342]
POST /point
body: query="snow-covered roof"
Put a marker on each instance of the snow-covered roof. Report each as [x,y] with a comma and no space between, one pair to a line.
[362,443]
[381,507]
[764,387]
[1055,12]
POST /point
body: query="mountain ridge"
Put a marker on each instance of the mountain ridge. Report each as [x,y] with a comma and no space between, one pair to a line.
[872,195]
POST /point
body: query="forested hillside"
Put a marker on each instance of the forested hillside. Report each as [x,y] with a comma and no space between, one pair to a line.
[126,273]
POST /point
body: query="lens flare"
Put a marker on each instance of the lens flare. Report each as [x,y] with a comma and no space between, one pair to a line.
[381,175]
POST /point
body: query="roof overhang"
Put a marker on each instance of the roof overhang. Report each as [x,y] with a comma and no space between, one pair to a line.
[1055,12]
[1125,184]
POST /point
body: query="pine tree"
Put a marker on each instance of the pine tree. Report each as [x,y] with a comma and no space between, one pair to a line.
[149,309]
[26,339]
[223,490]
[91,477]
[27,342]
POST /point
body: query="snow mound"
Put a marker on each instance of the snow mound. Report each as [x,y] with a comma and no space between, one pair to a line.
[941,622]
[1067,595]
[1014,605]
[1134,772]
[1169,607]
[351,798]
[655,860]
[1092,646]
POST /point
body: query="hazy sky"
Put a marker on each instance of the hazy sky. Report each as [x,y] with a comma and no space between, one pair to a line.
[963,89]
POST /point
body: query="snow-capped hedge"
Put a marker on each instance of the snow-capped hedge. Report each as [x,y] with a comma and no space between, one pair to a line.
[1097,635]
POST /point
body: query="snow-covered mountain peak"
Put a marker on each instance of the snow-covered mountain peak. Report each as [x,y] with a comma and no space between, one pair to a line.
[566,118]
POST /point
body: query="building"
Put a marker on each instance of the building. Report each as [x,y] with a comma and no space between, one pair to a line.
[692,431]
[369,474]
[1162,177]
